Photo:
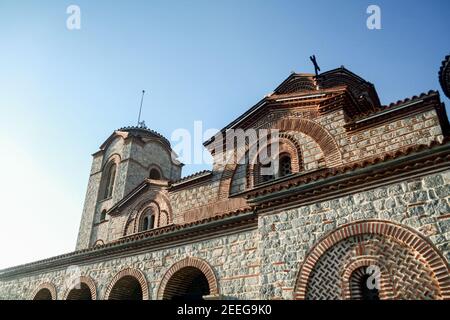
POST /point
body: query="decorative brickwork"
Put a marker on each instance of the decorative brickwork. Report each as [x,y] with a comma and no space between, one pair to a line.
[153,200]
[418,271]
[318,133]
[363,187]
[356,269]
[287,145]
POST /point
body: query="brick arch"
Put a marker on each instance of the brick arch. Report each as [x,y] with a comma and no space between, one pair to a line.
[287,145]
[158,199]
[190,262]
[405,235]
[129,272]
[142,212]
[89,282]
[317,132]
[386,289]
[45,286]
[113,158]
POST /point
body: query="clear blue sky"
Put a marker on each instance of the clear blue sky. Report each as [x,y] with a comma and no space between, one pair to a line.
[63,92]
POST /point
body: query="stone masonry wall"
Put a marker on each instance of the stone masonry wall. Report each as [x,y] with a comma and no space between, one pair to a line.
[286,237]
[421,128]
[233,258]
[264,263]
[192,197]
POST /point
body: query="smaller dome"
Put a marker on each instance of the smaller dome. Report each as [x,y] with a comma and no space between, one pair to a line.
[145,132]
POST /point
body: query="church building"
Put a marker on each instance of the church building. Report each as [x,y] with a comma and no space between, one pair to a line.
[360,196]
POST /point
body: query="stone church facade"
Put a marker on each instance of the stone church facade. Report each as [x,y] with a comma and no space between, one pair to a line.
[359,186]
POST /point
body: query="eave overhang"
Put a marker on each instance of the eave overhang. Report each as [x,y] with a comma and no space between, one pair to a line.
[133,194]
[400,109]
[157,239]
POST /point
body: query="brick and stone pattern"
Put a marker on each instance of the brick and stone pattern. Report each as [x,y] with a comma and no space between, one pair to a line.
[413,130]
[412,279]
[366,143]
[233,259]
[265,263]
[193,197]
[419,203]
[269,262]
[134,158]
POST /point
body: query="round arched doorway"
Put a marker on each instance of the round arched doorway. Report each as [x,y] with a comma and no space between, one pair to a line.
[43,294]
[82,293]
[127,288]
[188,283]
[45,291]
[190,279]
[128,284]
[83,289]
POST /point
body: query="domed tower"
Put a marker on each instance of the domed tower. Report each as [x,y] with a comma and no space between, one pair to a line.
[128,157]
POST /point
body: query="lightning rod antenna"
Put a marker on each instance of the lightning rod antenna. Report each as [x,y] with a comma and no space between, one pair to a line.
[140,109]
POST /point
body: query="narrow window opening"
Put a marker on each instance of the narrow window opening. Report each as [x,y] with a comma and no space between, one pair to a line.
[148,221]
[109,185]
[285,167]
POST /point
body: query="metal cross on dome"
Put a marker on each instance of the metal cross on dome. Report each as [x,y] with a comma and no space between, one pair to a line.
[316,66]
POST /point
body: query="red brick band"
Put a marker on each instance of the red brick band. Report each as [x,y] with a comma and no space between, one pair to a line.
[319,134]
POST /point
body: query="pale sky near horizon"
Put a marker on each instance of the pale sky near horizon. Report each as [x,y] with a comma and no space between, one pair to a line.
[63,92]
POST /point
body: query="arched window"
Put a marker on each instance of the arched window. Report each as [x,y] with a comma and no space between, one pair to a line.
[284,169]
[285,166]
[155,174]
[103,216]
[110,179]
[148,221]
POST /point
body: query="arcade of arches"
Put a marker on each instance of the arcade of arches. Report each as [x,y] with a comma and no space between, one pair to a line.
[409,267]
